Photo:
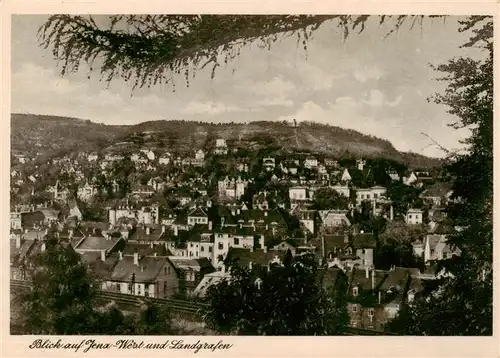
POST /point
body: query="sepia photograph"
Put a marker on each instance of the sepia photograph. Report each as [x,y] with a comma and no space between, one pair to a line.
[251,175]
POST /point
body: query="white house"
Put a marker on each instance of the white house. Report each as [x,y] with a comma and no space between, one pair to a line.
[370,194]
[360,163]
[165,158]
[414,216]
[436,247]
[310,162]
[220,146]
[268,163]
[298,193]
[199,155]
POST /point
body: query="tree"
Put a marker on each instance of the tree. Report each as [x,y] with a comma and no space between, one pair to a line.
[465,300]
[286,300]
[152,49]
[61,300]
[327,198]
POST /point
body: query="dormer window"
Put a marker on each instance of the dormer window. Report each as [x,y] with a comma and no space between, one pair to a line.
[355,291]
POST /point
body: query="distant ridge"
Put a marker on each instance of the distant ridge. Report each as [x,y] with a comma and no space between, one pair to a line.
[53,134]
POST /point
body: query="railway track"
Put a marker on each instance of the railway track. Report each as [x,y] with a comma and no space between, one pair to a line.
[132,301]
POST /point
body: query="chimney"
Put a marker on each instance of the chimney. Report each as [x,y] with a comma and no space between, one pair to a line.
[210,225]
[379,297]
[120,255]
[391,213]
[154,254]
[176,230]
[148,230]
[136,258]
[323,253]
[18,241]
[44,247]
[241,225]
[103,256]
[367,272]
[142,268]
[265,248]
[151,245]
[373,279]
[222,222]
[265,213]
[163,229]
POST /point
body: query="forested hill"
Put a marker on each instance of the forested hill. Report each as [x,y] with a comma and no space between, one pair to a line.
[51,135]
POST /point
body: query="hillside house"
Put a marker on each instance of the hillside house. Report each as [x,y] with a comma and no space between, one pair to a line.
[375,296]
[370,194]
[141,214]
[148,276]
[87,192]
[220,146]
[334,218]
[197,217]
[269,163]
[92,157]
[150,155]
[231,188]
[165,158]
[437,248]
[438,194]
[360,164]
[414,216]
[311,162]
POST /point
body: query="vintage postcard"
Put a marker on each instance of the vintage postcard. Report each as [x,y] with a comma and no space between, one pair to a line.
[192,182]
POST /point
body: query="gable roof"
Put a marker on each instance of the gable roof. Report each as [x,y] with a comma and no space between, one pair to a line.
[148,269]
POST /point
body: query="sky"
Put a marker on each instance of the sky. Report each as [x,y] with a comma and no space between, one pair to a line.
[370,83]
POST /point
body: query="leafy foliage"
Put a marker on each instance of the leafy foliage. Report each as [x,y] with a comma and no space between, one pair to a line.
[152,49]
[286,300]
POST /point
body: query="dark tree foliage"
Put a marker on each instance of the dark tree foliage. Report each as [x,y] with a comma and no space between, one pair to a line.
[286,300]
[464,302]
[327,198]
[61,301]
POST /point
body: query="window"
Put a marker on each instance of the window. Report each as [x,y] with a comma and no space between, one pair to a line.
[202,249]
[375,195]
[221,246]
[354,323]
[236,241]
[355,308]
[146,290]
[139,289]
[409,216]
[355,291]
[164,288]
[118,287]
[129,288]
[210,249]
